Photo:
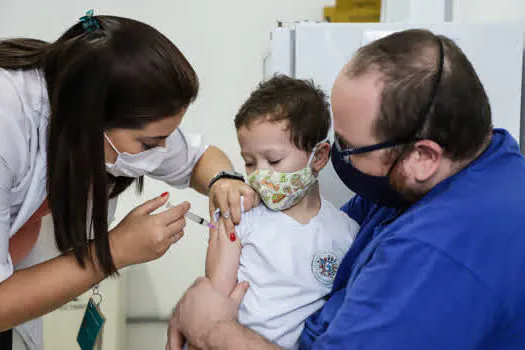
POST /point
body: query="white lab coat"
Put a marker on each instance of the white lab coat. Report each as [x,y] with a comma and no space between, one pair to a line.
[24,116]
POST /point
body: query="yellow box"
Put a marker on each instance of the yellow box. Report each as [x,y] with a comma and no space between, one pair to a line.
[349,4]
[356,15]
[329,12]
[359,5]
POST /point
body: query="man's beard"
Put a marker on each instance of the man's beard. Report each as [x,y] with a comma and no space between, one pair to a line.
[399,182]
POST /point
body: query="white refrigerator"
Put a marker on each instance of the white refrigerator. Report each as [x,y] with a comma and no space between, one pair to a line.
[319,50]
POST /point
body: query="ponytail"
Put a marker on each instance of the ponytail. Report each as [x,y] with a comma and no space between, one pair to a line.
[76,166]
[22,53]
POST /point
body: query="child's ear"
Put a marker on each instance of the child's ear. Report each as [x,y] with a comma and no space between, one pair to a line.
[321,157]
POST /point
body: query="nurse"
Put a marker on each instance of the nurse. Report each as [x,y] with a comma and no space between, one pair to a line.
[81,119]
[440,257]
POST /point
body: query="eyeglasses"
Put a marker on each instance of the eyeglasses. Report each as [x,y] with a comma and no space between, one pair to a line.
[346,151]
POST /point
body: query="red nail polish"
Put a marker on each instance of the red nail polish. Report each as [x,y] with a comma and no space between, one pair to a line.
[233,237]
[164,194]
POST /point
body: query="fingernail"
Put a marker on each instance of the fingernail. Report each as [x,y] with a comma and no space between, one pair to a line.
[164,194]
[233,237]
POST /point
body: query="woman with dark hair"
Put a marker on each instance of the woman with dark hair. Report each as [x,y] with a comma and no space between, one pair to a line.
[81,119]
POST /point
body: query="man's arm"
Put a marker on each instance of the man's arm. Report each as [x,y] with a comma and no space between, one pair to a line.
[206,318]
[410,295]
[357,208]
[231,335]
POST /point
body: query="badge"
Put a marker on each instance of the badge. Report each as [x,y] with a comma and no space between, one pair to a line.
[324,267]
[90,332]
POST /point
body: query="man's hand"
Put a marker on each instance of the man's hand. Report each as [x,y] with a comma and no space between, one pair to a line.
[201,309]
[175,338]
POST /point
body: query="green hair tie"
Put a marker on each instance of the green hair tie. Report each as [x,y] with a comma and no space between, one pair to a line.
[89,23]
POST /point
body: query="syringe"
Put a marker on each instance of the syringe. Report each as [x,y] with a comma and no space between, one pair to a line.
[193,217]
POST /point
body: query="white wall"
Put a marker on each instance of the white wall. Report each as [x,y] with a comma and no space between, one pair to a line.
[475,11]
[467,11]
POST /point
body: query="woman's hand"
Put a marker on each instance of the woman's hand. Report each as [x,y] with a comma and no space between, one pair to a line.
[143,237]
[226,195]
[222,259]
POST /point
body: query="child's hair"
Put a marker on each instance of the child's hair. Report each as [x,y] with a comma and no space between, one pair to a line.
[299,102]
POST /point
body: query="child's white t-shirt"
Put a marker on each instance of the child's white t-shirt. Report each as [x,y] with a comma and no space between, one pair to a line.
[290,268]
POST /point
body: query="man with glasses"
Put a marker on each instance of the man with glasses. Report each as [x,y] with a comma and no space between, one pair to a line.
[440,197]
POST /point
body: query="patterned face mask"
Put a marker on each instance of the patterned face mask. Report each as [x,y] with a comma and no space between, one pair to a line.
[280,191]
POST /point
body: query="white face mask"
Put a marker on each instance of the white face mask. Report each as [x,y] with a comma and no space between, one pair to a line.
[135,165]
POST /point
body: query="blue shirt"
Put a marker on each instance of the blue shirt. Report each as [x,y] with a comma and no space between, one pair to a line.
[448,273]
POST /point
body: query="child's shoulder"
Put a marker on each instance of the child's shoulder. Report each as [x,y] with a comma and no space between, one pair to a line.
[253,218]
[336,218]
[260,212]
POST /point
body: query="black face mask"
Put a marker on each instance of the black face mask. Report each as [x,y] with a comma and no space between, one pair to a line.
[374,188]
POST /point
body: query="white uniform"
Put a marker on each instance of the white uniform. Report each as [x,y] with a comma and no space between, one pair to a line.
[290,267]
[24,116]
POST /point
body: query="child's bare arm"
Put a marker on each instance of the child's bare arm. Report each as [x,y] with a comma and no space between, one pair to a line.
[222,259]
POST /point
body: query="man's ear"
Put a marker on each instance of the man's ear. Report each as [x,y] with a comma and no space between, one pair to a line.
[425,160]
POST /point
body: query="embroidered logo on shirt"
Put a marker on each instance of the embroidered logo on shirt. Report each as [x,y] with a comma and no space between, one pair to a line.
[324,267]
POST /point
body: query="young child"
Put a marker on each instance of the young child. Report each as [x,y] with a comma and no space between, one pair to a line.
[292,245]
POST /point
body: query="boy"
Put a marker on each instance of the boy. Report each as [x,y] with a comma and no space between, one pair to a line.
[291,246]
